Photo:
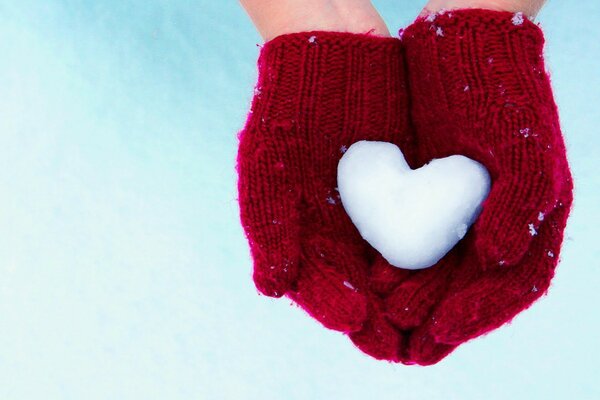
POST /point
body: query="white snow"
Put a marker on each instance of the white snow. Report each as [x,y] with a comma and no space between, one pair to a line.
[532,230]
[518,19]
[431,17]
[349,285]
[525,132]
[461,230]
[412,217]
[541,216]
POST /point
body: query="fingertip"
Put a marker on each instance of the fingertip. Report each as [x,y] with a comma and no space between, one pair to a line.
[403,312]
[270,285]
[411,302]
[423,348]
[379,339]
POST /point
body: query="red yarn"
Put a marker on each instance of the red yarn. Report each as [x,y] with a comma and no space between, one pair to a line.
[317,93]
[479,88]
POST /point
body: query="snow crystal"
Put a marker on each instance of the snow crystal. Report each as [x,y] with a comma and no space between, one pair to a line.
[412,217]
[534,289]
[532,230]
[312,39]
[518,19]
[461,231]
[439,31]
[257,92]
[541,216]
[524,132]
[490,60]
[275,222]
[467,88]
[343,149]
[348,285]
[431,17]
[331,200]
[550,254]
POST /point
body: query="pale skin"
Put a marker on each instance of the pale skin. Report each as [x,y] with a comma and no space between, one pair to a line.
[273,18]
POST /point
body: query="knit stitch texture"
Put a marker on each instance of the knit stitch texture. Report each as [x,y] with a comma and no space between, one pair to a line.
[479,88]
[317,93]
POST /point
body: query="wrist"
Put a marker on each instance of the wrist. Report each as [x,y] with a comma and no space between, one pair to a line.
[274,18]
[528,7]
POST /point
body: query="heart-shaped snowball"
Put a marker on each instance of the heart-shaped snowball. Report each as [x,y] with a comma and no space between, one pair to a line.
[412,217]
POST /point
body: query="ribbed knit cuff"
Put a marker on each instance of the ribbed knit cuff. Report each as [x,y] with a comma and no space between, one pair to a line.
[314,76]
[467,57]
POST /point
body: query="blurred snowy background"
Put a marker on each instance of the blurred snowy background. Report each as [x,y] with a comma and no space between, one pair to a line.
[124,273]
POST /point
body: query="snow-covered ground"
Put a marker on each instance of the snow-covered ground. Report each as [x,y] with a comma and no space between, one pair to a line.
[124,273]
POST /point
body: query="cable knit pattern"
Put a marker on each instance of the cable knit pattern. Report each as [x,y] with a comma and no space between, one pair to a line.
[479,88]
[317,93]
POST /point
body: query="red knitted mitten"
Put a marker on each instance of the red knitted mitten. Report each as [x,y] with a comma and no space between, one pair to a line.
[479,88]
[317,93]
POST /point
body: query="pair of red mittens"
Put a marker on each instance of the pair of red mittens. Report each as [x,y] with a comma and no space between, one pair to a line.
[468,82]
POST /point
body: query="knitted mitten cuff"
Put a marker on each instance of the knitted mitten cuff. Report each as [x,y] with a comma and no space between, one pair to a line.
[308,78]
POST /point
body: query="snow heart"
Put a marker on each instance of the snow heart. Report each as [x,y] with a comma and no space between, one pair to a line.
[412,217]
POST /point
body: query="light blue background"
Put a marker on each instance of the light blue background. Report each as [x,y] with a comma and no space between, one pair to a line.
[124,273]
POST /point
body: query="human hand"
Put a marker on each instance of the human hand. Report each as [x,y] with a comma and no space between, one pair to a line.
[479,88]
[278,17]
[530,8]
[410,304]
[317,93]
